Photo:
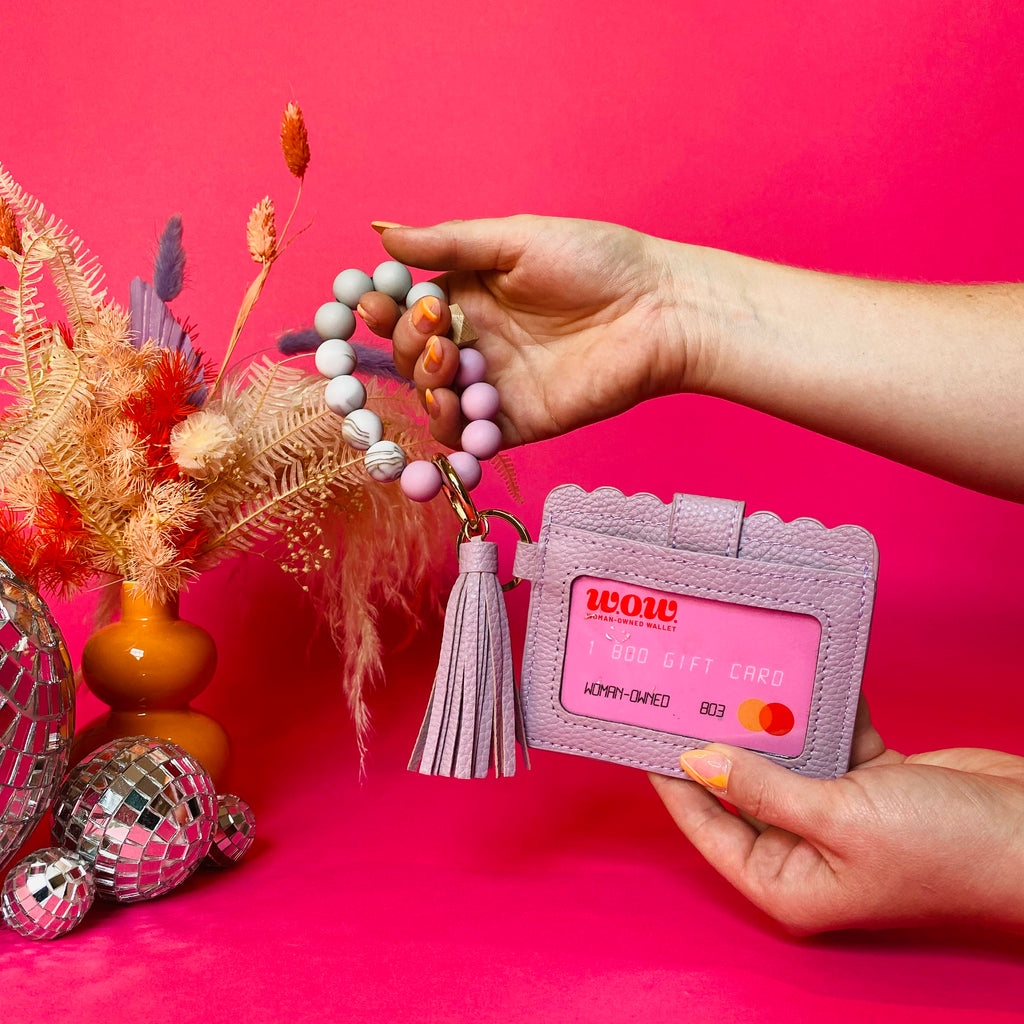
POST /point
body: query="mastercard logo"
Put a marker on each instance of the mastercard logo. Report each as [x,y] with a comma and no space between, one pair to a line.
[758,716]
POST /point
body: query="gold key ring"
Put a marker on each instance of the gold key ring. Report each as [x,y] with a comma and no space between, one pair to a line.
[474,523]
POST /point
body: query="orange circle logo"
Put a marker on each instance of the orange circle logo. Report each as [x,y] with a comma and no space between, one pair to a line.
[757,716]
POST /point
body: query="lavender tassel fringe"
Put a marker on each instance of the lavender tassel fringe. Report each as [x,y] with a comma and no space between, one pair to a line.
[169,269]
[474,717]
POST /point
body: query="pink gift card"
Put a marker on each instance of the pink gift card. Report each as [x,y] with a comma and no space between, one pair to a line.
[689,666]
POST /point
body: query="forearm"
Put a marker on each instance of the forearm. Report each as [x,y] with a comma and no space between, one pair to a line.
[928,375]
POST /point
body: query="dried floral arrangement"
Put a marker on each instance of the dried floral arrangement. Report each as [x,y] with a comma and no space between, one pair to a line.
[125,456]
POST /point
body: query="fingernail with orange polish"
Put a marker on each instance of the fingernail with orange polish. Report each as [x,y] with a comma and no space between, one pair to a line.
[708,767]
[380,226]
[433,408]
[426,314]
[370,321]
[434,356]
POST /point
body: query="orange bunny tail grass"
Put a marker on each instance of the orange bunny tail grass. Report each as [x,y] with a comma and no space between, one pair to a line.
[294,140]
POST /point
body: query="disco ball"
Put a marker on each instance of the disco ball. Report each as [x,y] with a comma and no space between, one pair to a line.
[37,710]
[46,894]
[141,813]
[234,832]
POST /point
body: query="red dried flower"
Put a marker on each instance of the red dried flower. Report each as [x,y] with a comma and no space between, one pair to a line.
[16,546]
[165,402]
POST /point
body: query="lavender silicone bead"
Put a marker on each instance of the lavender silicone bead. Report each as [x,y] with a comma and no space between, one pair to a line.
[468,468]
[417,291]
[480,401]
[335,320]
[345,394]
[335,358]
[481,438]
[351,285]
[472,368]
[361,429]
[392,279]
[421,480]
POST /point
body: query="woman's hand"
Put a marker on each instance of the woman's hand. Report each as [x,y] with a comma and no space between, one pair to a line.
[578,320]
[896,841]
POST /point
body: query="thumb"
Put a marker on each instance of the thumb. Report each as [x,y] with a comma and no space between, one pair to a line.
[488,244]
[760,788]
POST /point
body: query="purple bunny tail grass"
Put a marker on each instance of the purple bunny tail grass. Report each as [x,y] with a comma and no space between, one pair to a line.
[378,363]
[374,361]
[169,269]
[294,343]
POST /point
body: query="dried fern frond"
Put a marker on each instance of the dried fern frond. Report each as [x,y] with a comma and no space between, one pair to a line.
[77,477]
[61,397]
[77,275]
[23,353]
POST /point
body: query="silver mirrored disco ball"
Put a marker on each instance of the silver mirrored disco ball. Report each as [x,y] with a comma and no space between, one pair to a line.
[234,833]
[46,894]
[37,710]
[141,813]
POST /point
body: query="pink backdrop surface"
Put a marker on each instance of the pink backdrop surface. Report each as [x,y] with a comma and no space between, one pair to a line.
[880,138]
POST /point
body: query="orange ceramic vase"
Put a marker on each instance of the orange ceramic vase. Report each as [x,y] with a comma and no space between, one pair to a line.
[148,666]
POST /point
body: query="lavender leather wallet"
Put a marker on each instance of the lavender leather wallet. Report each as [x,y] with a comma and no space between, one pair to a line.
[656,627]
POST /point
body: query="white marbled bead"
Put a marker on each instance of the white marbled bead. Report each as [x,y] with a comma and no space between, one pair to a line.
[334,320]
[361,429]
[345,394]
[392,279]
[385,461]
[417,291]
[351,285]
[335,358]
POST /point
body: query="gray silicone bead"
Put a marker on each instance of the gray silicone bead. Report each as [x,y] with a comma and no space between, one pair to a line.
[392,279]
[361,429]
[345,394]
[335,320]
[350,286]
[417,291]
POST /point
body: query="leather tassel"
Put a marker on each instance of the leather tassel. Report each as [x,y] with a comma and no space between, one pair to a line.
[474,717]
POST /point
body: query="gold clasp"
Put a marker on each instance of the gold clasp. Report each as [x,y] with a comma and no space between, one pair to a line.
[474,523]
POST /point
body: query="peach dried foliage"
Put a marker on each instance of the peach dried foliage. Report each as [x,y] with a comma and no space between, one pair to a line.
[261,232]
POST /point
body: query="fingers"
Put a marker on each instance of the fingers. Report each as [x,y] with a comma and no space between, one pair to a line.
[380,313]
[494,244]
[779,868]
[422,354]
[760,788]
[428,318]
[431,374]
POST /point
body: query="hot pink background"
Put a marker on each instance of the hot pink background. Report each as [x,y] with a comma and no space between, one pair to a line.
[879,138]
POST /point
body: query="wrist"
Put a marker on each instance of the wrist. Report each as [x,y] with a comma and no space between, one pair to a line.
[705,305]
